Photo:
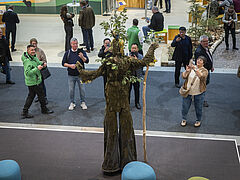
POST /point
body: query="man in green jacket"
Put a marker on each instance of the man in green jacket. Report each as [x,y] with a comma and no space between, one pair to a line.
[33,80]
[135,36]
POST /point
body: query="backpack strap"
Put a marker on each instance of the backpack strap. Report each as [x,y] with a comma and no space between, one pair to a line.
[68,55]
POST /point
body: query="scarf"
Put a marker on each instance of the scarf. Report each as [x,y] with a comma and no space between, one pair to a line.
[231,15]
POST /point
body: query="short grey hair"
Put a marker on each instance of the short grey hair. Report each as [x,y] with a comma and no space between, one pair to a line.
[73,39]
[155,8]
[203,37]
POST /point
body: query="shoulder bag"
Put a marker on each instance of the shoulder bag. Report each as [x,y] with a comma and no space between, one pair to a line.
[184,91]
[45,73]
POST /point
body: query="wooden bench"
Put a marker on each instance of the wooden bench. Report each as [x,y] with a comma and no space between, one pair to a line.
[162,35]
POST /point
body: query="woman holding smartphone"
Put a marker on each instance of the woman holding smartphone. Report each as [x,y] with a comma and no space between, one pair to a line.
[195,81]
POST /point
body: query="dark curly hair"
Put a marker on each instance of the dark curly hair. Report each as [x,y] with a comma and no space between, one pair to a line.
[63,10]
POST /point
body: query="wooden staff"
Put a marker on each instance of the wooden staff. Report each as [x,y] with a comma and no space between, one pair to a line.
[144,114]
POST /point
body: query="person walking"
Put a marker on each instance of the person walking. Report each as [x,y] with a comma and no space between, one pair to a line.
[41,57]
[11,19]
[70,59]
[182,52]
[156,24]
[203,50]
[5,57]
[195,82]
[87,22]
[230,20]
[135,36]
[33,79]
[68,25]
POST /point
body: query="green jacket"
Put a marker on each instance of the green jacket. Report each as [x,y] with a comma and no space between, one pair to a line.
[132,34]
[31,72]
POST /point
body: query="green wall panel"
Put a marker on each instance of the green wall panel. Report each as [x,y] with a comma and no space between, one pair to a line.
[53,7]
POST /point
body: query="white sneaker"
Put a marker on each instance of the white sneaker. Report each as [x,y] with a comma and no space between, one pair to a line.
[83,106]
[72,106]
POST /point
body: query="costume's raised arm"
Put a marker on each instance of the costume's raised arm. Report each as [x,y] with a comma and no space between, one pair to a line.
[89,75]
[149,57]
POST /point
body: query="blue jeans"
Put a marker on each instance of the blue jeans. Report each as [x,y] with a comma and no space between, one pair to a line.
[87,38]
[145,30]
[6,70]
[71,82]
[198,103]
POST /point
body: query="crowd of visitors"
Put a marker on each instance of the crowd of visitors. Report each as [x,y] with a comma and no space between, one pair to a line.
[119,141]
[182,54]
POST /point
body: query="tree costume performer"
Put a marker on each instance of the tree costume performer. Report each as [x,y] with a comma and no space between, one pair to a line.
[119,147]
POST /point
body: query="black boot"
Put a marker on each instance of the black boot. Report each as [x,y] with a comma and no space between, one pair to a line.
[47,111]
[25,114]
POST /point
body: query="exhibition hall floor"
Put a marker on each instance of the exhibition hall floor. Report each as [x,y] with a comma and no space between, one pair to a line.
[63,155]
[69,144]
[164,104]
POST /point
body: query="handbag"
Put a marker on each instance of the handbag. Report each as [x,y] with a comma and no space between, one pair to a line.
[45,73]
[183,91]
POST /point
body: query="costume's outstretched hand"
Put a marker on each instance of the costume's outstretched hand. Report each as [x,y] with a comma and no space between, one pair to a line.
[79,66]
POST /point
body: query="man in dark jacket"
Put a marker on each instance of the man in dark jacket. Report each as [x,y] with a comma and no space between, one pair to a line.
[70,59]
[5,57]
[11,18]
[202,50]
[182,53]
[156,22]
[105,52]
[87,22]
[137,73]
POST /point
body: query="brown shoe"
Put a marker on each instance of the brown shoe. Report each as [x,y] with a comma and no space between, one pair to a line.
[88,51]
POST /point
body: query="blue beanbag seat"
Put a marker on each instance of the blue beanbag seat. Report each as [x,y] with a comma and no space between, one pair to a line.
[9,170]
[138,171]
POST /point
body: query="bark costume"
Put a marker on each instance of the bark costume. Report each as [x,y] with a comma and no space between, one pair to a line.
[119,147]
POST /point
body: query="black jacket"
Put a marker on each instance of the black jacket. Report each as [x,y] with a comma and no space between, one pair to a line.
[157,22]
[178,52]
[6,55]
[200,51]
[102,54]
[10,18]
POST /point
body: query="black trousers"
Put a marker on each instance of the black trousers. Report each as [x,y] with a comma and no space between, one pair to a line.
[69,35]
[155,3]
[178,65]
[232,30]
[13,32]
[32,91]
[136,87]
